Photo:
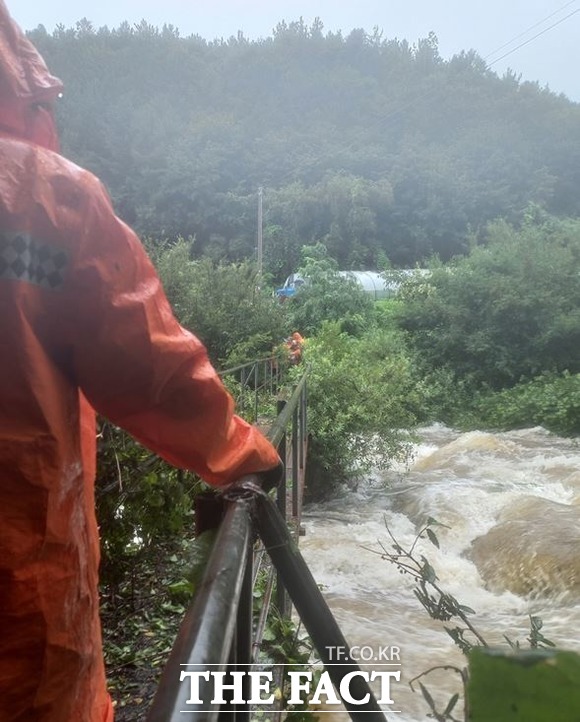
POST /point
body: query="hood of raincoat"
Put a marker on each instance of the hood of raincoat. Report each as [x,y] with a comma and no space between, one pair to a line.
[27,89]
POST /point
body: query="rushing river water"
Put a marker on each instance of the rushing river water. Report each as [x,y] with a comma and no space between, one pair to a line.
[512,502]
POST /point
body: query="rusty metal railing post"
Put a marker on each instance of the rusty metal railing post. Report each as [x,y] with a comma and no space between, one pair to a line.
[241,402]
[295,489]
[303,428]
[256,390]
[281,594]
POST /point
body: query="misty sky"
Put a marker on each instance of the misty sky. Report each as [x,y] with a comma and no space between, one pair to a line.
[492,27]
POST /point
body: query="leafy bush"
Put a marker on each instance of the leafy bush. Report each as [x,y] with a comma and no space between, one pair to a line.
[140,499]
[222,304]
[548,400]
[360,401]
[327,296]
[510,310]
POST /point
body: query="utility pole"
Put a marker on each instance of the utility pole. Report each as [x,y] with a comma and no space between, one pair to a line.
[260,241]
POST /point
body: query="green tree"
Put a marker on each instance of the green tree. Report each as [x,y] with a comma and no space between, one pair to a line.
[507,311]
[226,305]
[359,404]
[326,296]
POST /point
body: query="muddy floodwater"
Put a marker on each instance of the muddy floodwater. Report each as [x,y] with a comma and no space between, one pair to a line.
[512,549]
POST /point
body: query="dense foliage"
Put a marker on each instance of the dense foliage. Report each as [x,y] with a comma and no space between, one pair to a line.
[359,406]
[370,145]
[549,400]
[141,501]
[326,296]
[494,336]
[510,309]
[226,305]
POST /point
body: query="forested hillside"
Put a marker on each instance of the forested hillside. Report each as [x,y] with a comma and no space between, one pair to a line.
[379,149]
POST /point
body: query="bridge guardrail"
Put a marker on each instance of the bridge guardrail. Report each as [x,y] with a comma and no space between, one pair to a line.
[217,631]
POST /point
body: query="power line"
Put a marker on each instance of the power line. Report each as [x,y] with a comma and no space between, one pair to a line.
[527,30]
[521,45]
[426,94]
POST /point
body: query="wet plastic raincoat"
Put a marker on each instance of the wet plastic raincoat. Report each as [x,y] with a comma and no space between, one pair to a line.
[84,325]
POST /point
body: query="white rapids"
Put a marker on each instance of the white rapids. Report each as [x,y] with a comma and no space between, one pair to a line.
[511,502]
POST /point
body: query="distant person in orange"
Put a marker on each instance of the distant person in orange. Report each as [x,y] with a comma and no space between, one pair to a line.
[84,325]
[294,345]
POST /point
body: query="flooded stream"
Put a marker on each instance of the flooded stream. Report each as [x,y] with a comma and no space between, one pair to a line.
[511,502]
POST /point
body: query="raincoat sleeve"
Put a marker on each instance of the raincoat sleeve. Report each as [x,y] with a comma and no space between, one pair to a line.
[138,367]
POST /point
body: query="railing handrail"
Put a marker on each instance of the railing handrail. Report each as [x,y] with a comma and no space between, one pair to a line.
[253,378]
[278,428]
[204,640]
[233,369]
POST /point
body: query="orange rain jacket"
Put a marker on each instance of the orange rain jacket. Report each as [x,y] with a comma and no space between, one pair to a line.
[82,316]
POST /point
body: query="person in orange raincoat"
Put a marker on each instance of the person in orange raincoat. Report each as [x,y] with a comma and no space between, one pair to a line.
[294,345]
[85,326]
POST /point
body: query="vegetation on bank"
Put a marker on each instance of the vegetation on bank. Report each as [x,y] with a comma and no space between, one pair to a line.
[495,334]
[486,341]
[489,340]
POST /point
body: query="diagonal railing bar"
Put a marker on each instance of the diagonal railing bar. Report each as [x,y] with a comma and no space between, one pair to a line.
[278,428]
[216,633]
[312,609]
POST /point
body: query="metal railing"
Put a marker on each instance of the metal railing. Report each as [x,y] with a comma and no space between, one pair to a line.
[217,632]
[253,380]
